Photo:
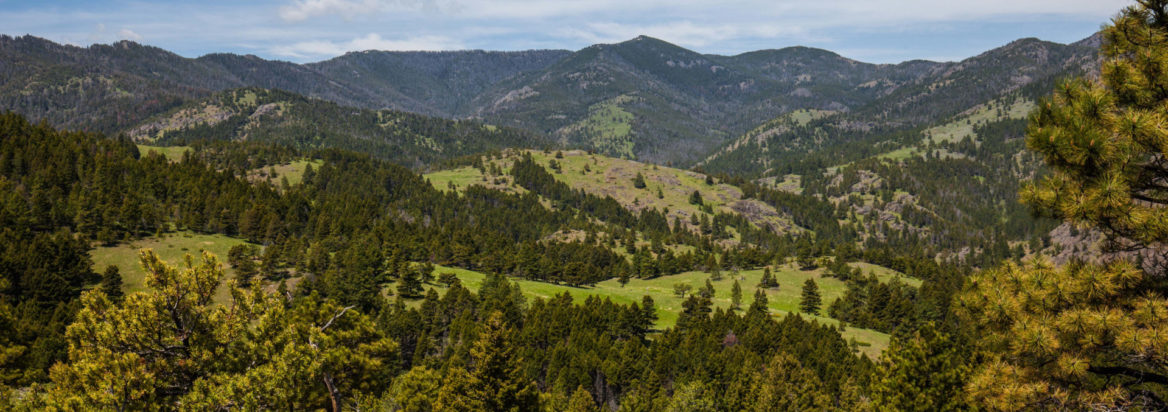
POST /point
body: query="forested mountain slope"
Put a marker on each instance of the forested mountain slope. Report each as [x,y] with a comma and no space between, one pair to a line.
[273,116]
[644,98]
[352,225]
[108,88]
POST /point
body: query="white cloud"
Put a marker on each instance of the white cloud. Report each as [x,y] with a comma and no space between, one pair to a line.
[372,41]
[301,10]
[827,11]
[127,34]
[685,33]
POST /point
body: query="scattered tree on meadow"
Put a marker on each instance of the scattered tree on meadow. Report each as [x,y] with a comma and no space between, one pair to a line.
[242,260]
[695,198]
[768,280]
[809,301]
[111,283]
[639,181]
[736,295]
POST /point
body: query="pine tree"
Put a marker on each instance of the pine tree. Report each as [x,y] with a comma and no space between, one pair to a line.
[409,285]
[921,372]
[1089,336]
[707,291]
[810,300]
[111,283]
[768,280]
[1105,140]
[173,347]
[495,382]
[759,305]
[581,401]
[639,181]
[785,385]
[241,259]
[736,295]
[695,198]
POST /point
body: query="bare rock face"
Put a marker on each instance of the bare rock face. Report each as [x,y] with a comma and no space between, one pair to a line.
[1092,246]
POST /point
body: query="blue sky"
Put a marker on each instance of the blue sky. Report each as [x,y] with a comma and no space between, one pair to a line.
[878,31]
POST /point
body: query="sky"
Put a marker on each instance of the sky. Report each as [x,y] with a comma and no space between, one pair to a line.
[876,31]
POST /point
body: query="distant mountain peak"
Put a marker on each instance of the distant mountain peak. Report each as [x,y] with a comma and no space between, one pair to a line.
[1094,41]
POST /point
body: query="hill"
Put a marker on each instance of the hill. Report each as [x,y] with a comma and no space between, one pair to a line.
[644,98]
[272,116]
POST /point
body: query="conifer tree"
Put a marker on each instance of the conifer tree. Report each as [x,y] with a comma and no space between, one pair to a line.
[759,305]
[172,347]
[736,295]
[921,372]
[1089,336]
[1106,140]
[581,401]
[111,283]
[695,198]
[409,285]
[785,385]
[707,291]
[241,259]
[809,301]
[648,312]
[495,382]
[639,181]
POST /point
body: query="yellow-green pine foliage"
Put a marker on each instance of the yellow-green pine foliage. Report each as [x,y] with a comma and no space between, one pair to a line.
[495,382]
[1076,337]
[1106,139]
[922,372]
[173,348]
[785,385]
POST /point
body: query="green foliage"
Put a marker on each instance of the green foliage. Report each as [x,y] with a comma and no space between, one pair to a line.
[1078,336]
[736,295]
[869,303]
[1085,335]
[272,116]
[111,283]
[639,181]
[1104,139]
[925,371]
[695,198]
[241,257]
[810,301]
[494,382]
[174,346]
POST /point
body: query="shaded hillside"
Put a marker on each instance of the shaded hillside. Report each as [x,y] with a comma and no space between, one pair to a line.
[108,88]
[435,83]
[259,115]
[644,98]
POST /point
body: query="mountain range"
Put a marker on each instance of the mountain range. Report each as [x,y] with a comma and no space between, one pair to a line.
[644,98]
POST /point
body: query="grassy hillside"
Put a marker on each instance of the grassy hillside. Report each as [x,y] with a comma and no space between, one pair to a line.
[782,300]
[293,171]
[665,187]
[172,153]
[962,126]
[287,119]
[171,248]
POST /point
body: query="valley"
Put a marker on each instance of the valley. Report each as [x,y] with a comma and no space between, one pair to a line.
[631,225]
